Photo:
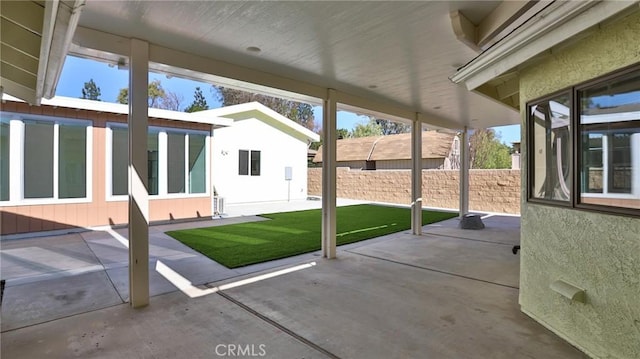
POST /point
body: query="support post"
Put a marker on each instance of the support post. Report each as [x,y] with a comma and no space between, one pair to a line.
[464,172]
[138,186]
[416,175]
[329,112]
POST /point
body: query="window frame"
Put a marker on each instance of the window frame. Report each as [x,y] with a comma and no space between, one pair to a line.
[248,166]
[576,149]
[16,153]
[163,133]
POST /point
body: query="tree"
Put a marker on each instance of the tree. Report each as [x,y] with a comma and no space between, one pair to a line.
[171,101]
[391,127]
[299,112]
[158,97]
[199,102]
[91,91]
[366,129]
[487,152]
[342,133]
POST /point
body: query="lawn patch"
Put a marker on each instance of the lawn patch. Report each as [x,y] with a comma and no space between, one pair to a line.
[291,233]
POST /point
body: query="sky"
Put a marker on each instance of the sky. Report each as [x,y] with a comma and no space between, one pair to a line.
[110,80]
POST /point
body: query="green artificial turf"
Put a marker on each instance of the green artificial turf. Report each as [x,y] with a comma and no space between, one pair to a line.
[291,233]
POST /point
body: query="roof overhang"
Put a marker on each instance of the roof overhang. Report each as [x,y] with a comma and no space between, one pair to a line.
[109,107]
[36,36]
[553,26]
[265,114]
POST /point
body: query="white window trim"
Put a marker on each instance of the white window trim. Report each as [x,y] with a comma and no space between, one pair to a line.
[16,164]
[635,174]
[162,163]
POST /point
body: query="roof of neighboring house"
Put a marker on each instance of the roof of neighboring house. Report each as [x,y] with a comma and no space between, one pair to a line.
[261,112]
[110,107]
[392,147]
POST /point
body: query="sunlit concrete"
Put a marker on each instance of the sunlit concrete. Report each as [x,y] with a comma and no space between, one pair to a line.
[449,293]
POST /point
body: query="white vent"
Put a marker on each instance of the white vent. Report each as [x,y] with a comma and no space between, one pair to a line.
[218,205]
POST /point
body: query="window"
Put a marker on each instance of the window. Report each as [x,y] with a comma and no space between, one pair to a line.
[610,147]
[119,161]
[176,161]
[551,148]
[243,166]
[72,161]
[197,164]
[176,167]
[597,125]
[4,159]
[38,159]
[245,163]
[255,163]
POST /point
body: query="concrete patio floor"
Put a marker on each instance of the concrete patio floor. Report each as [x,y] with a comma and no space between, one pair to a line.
[449,293]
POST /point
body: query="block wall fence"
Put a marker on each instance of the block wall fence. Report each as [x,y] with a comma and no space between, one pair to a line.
[489,190]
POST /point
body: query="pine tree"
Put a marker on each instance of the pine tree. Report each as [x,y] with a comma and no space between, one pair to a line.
[199,102]
[91,91]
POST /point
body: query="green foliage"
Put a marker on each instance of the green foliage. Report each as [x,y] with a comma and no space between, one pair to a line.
[342,133]
[366,129]
[299,112]
[487,152]
[158,97]
[91,91]
[292,233]
[391,127]
[199,102]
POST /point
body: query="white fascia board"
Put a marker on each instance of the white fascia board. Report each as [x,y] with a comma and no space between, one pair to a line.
[100,106]
[59,28]
[555,24]
[256,106]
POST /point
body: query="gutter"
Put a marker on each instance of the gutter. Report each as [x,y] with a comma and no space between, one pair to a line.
[556,23]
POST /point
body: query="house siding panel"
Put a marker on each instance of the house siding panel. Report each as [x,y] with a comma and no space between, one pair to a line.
[98,212]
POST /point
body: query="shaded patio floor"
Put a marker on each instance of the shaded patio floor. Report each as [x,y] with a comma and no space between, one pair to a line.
[449,293]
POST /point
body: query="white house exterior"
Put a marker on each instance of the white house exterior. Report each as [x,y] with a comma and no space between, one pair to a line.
[261,157]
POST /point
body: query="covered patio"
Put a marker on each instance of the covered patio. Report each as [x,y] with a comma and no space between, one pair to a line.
[448,65]
[447,293]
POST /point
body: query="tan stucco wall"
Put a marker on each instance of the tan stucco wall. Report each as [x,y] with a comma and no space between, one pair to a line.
[489,190]
[598,252]
[99,212]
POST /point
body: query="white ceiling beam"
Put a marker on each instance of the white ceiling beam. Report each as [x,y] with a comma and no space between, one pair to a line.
[66,21]
[102,46]
[556,23]
[465,31]
[502,17]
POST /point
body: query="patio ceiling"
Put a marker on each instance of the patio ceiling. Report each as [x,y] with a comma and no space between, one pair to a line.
[383,57]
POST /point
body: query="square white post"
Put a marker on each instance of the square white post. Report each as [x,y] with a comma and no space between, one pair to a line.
[416,175]
[138,186]
[464,172]
[329,113]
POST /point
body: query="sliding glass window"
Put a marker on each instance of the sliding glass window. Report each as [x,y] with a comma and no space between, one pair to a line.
[610,142]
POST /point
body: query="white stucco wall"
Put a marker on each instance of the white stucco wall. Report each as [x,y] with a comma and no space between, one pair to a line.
[277,151]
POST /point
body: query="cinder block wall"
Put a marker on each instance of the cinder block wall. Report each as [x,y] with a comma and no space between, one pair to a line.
[489,190]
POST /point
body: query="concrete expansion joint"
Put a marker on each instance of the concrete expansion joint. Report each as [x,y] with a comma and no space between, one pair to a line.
[433,270]
[277,325]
